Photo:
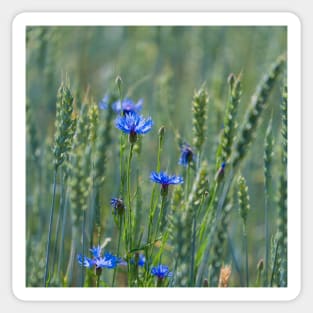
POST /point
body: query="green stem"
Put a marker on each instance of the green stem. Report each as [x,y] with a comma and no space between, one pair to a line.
[187,183]
[122,163]
[64,219]
[121,145]
[70,265]
[160,218]
[274,263]
[245,242]
[213,225]
[83,248]
[207,219]
[129,197]
[151,215]
[236,263]
[58,226]
[118,245]
[98,281]
[267,240]
[50,228]
[153,202]
[193,249]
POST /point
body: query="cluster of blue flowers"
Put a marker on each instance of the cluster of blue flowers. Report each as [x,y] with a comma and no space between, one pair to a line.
[130,122]
[107,260]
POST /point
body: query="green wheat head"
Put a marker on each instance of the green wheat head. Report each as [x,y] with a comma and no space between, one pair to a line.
[255,109]
[199,110]
[243,199]
[63,124]
[230,124]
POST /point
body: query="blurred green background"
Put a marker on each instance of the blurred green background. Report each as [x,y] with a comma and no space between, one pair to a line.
[164,66]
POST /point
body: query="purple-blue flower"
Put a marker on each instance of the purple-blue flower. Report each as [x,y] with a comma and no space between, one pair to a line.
[165,180]
[118,206]
[104,103]
[133,124]
[139,258]
[186,155]
[127,105]
[107,260]
[161,271]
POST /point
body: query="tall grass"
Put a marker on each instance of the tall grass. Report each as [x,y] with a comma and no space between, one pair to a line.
[115,198]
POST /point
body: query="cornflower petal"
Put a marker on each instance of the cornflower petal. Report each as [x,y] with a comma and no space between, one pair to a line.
[96,251]
[84,261]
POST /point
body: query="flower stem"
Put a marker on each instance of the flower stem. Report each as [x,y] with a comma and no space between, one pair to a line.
[83,248]
[160,218]
[245,242]
[58,225]
[152,201]
[274,263]
[129,197]
[267,239]
[50,228]
[193,248]
[98,281]
[187,183]
[118,245]
[121,164]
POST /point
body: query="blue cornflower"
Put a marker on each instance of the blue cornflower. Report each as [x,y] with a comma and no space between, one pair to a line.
[127,106]
[133,124]
[104,103]
[118,206]
[161,271]
[186,156]
[108,260]
[165,180]
[139,259]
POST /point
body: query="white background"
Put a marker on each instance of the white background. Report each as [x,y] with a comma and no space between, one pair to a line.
[10,9]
